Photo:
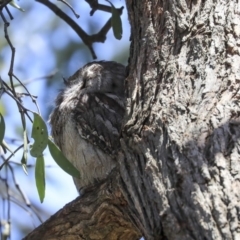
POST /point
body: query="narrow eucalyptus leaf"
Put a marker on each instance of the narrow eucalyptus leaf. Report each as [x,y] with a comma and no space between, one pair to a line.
[24,162]
[40,177]
[61,160]
[116,22]
[6,147]
[15,5]
[24,166]
[3,109]
[40,135]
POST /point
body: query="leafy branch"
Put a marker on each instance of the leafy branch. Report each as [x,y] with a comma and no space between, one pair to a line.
[42,140]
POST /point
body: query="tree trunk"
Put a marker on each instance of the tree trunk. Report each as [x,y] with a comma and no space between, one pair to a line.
[179,168]
[181,162]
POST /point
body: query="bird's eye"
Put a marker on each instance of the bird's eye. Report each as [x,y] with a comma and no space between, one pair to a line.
[83,83]
[114,85]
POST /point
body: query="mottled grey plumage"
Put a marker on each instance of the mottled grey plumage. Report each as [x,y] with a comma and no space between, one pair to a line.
[87,119]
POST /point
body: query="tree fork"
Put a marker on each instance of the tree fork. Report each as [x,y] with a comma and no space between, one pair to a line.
[100,213]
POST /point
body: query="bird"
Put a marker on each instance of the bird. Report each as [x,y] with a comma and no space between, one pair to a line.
[87,119]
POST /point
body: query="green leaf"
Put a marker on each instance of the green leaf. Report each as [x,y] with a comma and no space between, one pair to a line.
[40,177]
[61,160]
[116,22]
[25,152]
[2,128]
[40,135]
[3,109]
[6,147]
[15,5]
[24,162]
[2,132]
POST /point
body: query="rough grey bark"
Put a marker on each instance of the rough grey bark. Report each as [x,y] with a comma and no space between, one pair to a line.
[100,213]
[179,164]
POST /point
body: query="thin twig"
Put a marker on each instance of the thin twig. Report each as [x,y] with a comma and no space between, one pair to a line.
[12,154]
[88,40]
[80,32]
[10,72]
[30,165]
[2,87]
[22,107]
[12,140]
[30,95]
[16,100]
[20,94]
[76,15]
[22,110]
[8,197]
[4,4]
[96,6]
[104,30]
[26,82]
[9,13]
[24,197]
[15,200]
[26,200]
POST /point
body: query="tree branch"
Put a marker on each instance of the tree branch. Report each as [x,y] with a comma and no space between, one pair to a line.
[100,213]
[88,40]
[96,6]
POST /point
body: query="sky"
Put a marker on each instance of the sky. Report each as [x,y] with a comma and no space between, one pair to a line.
[42,45]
